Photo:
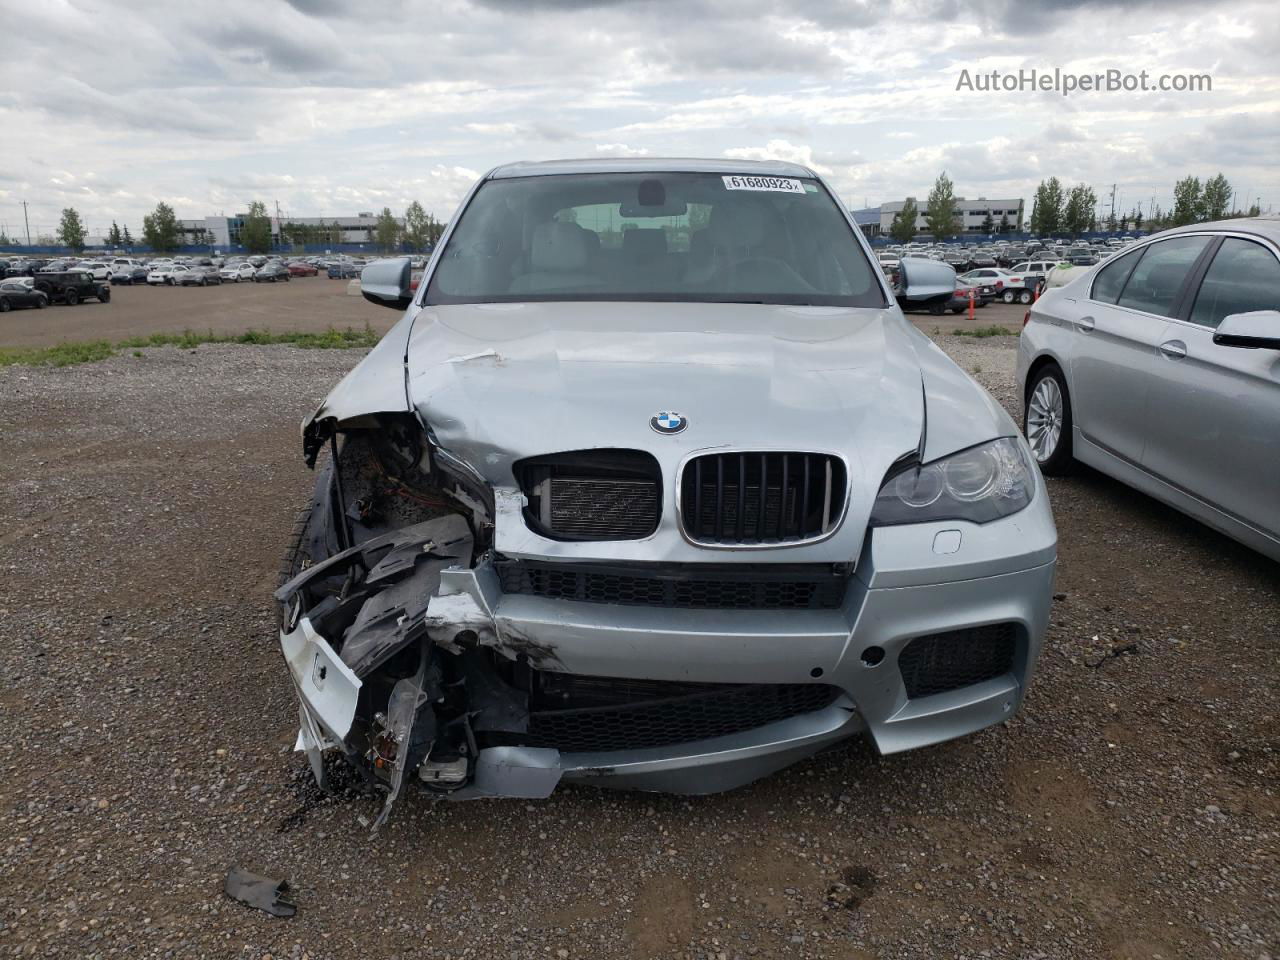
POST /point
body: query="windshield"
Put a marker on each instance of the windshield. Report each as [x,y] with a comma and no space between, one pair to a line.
[697,237]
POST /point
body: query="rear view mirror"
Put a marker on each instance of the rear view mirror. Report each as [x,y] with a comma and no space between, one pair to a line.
[387,282]
[921,279]
[1258,329]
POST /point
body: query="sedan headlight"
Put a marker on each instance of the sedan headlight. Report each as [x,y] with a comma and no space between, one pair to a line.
[983,483]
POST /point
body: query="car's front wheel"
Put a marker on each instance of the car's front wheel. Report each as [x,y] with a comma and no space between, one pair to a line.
[1046,420]
[1007,296]
[72,297]
[5,306]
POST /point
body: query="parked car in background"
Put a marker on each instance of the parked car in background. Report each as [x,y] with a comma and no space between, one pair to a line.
[1161,367]
[199,276]
[1034,268]
[300,268]
[71,287]
[342,270]
[270,272]
[1010,287]
[165,273]
[97,269]
[235,272]
[129,274]
[17,293]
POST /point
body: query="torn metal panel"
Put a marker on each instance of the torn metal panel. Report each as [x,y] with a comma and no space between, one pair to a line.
[409,732]
[259,892]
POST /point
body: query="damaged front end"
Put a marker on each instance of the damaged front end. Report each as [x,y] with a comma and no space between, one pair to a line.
[399,670]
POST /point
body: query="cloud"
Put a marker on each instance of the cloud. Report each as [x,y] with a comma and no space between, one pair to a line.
[620,150]
[326,108]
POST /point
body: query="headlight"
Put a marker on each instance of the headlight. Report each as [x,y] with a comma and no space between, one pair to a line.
[980,484]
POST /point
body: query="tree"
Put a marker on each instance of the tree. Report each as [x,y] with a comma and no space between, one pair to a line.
[1077,216]
[4,239]
[114,239]
[941,214]
[903,227]
[71,230]
[1215,198]
[126,238]
[1137,220]
[988,225]
[1254,210]
[417,227]
[1004,223]
[160,228]
[387,230]
[255,232]
[1112,226]
[1186,201]
[1047,213]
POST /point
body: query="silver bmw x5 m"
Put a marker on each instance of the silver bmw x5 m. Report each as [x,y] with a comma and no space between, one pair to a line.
[653,486]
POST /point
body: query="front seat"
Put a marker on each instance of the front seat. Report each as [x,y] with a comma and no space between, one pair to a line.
[559,260]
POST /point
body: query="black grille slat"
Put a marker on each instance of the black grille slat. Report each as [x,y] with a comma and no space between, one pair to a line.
[676,713]
[799,587]
[941,662]
[761,498]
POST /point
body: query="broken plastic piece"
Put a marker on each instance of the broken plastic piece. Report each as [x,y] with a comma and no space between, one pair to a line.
[261,893]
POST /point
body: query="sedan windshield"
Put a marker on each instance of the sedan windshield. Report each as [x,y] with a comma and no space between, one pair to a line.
[698,237]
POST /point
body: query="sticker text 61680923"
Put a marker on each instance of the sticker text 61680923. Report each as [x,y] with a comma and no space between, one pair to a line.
[776,184]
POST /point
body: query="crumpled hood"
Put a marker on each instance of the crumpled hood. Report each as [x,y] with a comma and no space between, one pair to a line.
[500,382]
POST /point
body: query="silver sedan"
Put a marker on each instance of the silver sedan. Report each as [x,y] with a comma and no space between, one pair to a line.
[1161,368]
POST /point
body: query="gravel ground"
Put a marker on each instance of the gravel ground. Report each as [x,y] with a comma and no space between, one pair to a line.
[1130,811]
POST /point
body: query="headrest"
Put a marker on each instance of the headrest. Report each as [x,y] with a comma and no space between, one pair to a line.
[558,247]
[644,245]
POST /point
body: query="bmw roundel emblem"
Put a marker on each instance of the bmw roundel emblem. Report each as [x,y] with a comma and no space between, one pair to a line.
[668,421]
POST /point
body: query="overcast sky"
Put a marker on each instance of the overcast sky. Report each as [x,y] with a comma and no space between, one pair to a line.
[336,106]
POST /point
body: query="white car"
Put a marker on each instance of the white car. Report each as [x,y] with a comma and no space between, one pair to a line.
[235,272]
[167,273]
[1010,286]
[95,268]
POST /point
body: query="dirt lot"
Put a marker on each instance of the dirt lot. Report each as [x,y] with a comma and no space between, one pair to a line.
[1130,811]
[304,303]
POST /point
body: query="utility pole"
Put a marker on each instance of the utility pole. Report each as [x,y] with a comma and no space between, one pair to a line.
[26,221]
[1113,202]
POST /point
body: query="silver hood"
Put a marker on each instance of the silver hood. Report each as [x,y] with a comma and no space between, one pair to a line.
[500,382]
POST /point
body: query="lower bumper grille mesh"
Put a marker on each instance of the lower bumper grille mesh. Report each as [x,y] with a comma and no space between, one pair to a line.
[710,711]
[958,658]
[798,588]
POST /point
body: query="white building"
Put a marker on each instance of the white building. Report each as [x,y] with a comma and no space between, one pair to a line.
[972,214]
[225,231]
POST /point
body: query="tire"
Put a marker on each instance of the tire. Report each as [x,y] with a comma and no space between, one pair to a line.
[957,310]
[201,282]
[104,295]
[1008,296]
[5,305]
[1047,420]
[42,302]
[72,297]
[1024,297]
[936,309]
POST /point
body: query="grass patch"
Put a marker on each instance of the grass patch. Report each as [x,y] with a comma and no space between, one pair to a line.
[63,355]
[66,354]
[982,333]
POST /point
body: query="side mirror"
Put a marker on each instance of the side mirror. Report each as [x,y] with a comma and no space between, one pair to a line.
[1259,329]
[386,282]
[920,279]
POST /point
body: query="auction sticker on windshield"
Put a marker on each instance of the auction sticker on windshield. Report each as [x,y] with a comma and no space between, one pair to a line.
[777,184]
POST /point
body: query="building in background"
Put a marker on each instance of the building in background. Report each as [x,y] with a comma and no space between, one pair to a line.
[225,231]
[868,221]
[972,214]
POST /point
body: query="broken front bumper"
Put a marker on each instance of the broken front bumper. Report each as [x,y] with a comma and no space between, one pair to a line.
[911,583]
